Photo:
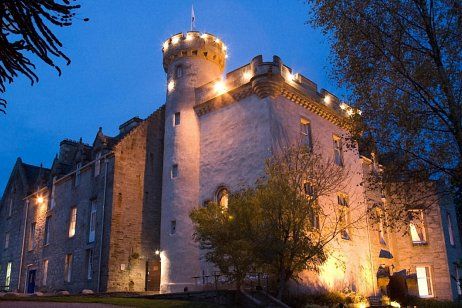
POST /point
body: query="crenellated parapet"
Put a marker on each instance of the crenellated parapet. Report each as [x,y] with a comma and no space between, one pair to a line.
[271,79]
[194,44]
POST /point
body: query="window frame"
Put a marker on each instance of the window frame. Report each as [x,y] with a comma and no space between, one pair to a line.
[428,281]
[72,222]
[306,132]
[422,228]
[179,71]
[222,196]
[92,221]
[68,260]
[46,231]
[177,118]
[78,174]
[452,240]
[9,267]
[45,272]
[89,263]
[31,238]
[344,211]
[97,164]
[338,150]
[173,227]
[174,172]
[7,240]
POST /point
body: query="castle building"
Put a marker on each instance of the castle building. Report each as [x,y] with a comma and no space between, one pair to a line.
[114,215]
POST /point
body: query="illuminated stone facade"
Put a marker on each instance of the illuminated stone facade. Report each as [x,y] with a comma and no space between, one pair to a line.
[133,193]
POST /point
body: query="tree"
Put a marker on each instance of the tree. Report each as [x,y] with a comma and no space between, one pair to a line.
[401,61]
[25,29]
[285,223]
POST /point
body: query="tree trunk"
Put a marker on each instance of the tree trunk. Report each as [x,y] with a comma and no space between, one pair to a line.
[282,284]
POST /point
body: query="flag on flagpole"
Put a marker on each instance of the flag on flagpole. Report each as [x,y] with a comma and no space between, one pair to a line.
[193,18]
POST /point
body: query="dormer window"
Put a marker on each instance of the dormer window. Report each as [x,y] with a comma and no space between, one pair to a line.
[179,71]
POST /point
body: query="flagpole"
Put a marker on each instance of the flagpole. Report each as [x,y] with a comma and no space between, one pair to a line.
[193,17]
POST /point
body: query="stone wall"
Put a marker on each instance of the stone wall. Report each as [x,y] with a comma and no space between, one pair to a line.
[16,191]
[135,215]
[67,196]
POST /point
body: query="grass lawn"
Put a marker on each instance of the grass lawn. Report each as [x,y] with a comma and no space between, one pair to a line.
[122,301]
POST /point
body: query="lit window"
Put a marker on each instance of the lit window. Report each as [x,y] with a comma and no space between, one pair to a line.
[97,164]
[8,276]
[77,174]
[89,264]
[417,227]
[458,281]
[179,71]
[10,207]
[45,272]
[46,237]
[424,281]
[173,227]
[92,224]
[68,268]
[174,172]
[305,131]
[72,221]
[176,119]
[450,231]
[344,216]
[31,242]
[338,158]
[7,240]
[223,197]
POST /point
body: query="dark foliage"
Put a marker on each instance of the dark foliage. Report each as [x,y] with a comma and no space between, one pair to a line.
[25,29]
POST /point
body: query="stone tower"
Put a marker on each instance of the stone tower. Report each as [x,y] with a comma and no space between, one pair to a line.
[190,60]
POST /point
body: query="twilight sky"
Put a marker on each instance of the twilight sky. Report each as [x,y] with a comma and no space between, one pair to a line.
[116,71]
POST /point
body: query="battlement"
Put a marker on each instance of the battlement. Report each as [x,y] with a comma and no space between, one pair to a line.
[194,44]
[270,79]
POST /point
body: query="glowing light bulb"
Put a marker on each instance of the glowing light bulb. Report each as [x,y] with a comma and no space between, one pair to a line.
[204,36]
[217,40]
[225,48]
[220,87]
[175,40]
[171,86]
[39,199]
[359,112]
[343,106]
[189,37]
[165,45]
[350,112]
[247,75]
[157,252]
[327,99]
[226,56]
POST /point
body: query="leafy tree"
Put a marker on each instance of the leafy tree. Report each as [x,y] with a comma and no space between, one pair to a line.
[284,224]
[401,61]
[25,29]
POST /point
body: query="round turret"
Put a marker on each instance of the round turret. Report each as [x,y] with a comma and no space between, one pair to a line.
[194,44]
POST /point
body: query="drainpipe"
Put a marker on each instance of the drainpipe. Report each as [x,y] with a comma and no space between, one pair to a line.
[106,162]
[23,243]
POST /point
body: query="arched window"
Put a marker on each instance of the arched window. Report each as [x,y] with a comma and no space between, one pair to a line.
[222,197]
[179,71]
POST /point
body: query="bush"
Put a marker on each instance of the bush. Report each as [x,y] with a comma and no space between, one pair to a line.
[330,299]
[421,302]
